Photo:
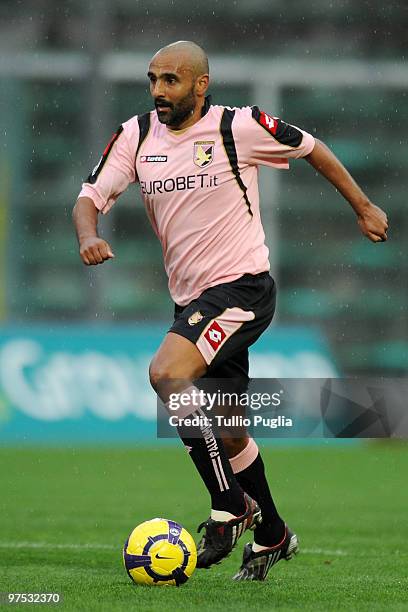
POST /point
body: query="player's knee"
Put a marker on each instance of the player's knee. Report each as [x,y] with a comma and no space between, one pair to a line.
[158,374]
[173,372]
[166,379]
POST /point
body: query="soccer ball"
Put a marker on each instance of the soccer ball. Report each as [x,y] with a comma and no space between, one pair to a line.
[159,552]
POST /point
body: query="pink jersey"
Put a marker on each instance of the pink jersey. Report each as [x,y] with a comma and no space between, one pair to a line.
[200,189]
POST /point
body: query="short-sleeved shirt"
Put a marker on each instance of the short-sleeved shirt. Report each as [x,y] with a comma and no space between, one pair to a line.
[200,189]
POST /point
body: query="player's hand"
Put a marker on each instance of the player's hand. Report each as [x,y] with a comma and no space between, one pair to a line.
[373,223]
[95,251]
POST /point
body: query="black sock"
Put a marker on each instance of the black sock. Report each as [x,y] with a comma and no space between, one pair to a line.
[253,481]
[208,454]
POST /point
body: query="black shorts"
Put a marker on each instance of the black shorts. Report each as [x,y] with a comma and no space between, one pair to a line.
[225,320]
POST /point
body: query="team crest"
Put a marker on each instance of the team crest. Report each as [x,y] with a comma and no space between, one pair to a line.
[195,318]
[203,152]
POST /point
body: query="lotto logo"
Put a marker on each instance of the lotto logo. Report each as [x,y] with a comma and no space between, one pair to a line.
[214,335]
[153,158]
[268,122]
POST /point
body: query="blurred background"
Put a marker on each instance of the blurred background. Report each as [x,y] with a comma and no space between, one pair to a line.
[71,72]
[76,409]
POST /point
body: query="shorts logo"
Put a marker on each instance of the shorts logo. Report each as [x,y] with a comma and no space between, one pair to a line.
[214,335]
[203,152]
[195,318]
[153,158]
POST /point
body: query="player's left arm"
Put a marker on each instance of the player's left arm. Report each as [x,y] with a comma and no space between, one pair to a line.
[371,219]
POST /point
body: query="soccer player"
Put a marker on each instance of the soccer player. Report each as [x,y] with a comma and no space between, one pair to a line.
[197,167]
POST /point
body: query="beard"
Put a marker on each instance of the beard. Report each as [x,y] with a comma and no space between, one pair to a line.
[175,113]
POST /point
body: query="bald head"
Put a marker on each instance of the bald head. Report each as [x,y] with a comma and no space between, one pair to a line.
[187,54]
[179,80]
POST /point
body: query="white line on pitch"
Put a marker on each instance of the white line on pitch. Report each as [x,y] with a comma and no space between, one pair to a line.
[96,546]
[59,546]
[323,551]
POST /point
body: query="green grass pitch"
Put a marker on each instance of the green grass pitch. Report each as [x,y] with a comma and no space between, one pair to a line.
[65,513]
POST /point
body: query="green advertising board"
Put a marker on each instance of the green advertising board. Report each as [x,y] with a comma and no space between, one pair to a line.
[87,384]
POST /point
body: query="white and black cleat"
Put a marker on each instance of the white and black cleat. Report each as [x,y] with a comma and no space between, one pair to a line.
[256,565]
[221,536]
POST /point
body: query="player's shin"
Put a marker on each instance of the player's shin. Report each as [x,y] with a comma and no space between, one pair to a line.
[200,436]
[249,470]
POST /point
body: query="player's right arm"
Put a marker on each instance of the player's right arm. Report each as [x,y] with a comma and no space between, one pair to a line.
[110,177]
[92,249]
